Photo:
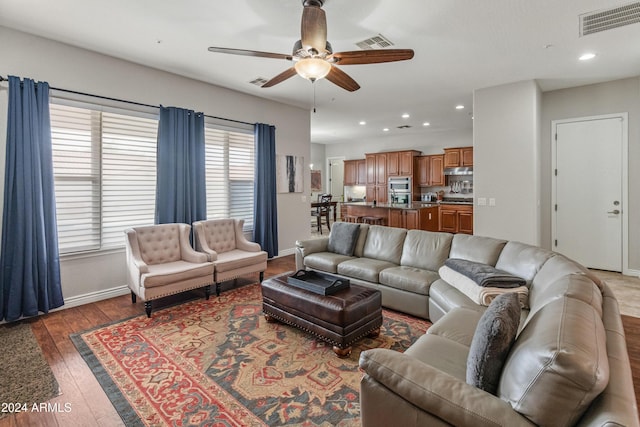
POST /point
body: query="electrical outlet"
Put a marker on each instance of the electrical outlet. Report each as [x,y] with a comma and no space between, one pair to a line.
[492,201]
[304,199]
[482,201]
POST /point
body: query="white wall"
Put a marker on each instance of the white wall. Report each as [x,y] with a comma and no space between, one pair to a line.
[604,98]
[90,277]
[506,149]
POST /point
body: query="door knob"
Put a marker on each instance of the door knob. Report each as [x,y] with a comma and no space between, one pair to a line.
[615,212]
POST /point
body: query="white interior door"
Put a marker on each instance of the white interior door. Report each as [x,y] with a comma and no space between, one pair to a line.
[588,207]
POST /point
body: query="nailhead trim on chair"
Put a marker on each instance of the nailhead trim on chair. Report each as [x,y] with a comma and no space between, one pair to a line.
[177,292]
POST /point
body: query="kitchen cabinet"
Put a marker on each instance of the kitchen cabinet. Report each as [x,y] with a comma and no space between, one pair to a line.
[456,218]
[404,218]
[430,170]
[376,171]
[400,163]
[350,172]
[431,220]
[362,172]
[355,172]
[456,157]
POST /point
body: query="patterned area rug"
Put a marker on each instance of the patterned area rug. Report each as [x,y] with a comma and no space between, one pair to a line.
[26,378]
[219,363]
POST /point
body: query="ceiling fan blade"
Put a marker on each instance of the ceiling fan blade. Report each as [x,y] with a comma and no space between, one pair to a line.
[250,53]
[373,56]
[340,78]
[281,77]
[314,28]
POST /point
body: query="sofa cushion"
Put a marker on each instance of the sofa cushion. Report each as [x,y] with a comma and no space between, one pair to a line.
[476,248]
[558,266]
[558,361]
[492,340]
[446,297]
[384,243]
[408,279]
[522,260]
[362,238]
[458,325]
[482,295]
[425,249]
[446,355]
[364,268]
[325,261]
[343,238]
[176,271]
[236,258]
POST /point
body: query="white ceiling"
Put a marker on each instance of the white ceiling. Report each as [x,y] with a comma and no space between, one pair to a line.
[460,45]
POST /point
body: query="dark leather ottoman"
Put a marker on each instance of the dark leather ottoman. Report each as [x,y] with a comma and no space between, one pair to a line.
[339,319]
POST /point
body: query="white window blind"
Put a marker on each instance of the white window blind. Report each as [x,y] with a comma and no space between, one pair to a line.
[105,176]
[75,135]
[230,164]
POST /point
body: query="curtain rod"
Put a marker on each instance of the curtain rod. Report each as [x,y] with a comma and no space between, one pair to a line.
[4,79]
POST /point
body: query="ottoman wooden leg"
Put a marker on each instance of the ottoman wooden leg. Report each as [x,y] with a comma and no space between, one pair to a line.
[374,333]
[342,352]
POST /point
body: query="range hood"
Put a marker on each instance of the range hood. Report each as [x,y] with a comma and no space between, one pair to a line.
[466,170]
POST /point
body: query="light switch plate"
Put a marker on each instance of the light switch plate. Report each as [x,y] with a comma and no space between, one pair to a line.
[492,201]
[482,201]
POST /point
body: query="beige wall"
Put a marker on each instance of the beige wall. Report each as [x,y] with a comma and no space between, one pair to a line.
[92,277]
[506,149]
[605,98]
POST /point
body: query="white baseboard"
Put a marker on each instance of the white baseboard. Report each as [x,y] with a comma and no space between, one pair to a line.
[630,272]
[285,252]
[95,296]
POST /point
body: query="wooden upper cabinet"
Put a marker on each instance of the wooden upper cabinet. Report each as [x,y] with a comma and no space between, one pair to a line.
[350,172]
[371,168]
[355,172]
[400,163]
[361,166]
[381,169]
[467,156]
[423,170]
[393,163]
[456,157]
[436,173]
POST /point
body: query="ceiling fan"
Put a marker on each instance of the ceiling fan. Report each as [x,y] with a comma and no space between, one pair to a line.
[313,57]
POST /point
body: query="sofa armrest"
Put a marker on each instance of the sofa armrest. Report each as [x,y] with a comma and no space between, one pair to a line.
[307,247]
[436,392]
[134,259]
[200,241]
[241,241]
[187,253]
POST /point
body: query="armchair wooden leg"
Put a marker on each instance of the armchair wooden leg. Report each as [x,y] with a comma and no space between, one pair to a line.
[261,276]
[133,298]
[207,291]
[217,289]
[147,308]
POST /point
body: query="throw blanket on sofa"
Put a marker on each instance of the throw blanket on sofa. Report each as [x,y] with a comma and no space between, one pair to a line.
[481,295]
[484,275]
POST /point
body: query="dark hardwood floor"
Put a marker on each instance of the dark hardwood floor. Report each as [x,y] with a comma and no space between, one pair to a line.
[89,405]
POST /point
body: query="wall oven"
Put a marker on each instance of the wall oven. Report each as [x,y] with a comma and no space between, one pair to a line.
[399,189]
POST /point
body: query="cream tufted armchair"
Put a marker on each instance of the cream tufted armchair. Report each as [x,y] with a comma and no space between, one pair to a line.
[232,254]
[161,262]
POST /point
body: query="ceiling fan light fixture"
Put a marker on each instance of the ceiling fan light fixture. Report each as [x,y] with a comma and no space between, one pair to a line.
[312,68]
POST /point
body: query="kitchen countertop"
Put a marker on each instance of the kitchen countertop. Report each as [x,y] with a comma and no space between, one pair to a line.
[412,205]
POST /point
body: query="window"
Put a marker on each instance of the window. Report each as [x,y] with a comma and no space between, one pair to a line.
[104,166]
[230,166]
[105,176]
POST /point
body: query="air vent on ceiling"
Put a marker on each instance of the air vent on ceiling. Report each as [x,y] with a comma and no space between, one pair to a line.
[258,81]
[595,22]
[404,127]
[375,42]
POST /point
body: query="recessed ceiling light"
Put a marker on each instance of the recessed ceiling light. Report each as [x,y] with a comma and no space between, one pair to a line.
[385,130]
[362,123]
[459,107]
[406,116]
[587,56]
[426,124]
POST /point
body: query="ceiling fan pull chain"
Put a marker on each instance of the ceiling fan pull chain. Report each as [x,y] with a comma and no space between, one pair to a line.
[314,96]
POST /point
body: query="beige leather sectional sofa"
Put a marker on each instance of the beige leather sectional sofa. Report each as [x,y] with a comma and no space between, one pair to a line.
[568,366]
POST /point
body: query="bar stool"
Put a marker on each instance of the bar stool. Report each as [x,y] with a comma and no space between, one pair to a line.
[373,220]
[353,218]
